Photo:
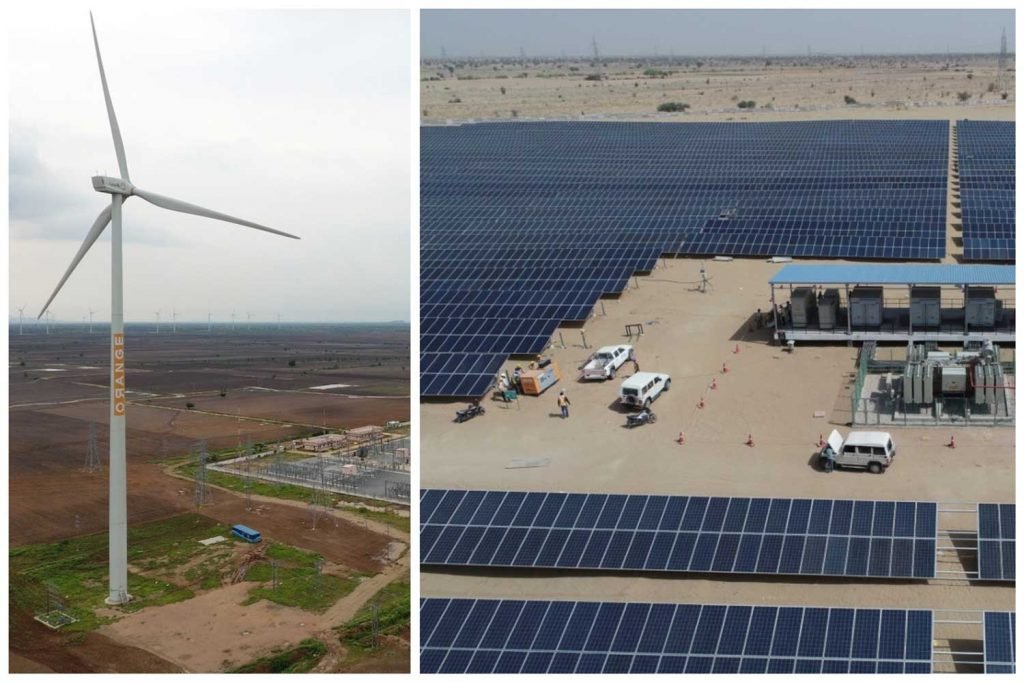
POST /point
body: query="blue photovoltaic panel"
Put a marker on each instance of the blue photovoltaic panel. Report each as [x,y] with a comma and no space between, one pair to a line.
[1000,649]
[526,225]
[997,545]
[515,636]
[987,160]
[678,533]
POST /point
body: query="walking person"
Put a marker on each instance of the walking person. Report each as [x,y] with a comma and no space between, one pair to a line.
[563,404]
[636,364]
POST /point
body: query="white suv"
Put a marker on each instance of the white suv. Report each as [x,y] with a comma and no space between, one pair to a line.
[873,451]
[641,389]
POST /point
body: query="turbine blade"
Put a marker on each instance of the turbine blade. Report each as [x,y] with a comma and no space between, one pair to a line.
[122,163]
[185,207]
[94,232]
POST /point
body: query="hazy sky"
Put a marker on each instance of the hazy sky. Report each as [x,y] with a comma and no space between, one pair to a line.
[476,33]
[296,120]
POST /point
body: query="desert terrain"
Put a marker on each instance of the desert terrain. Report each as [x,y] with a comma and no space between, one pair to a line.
[223,387]
[781,88]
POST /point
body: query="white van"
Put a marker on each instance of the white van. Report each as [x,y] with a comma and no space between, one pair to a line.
[641,389]
[873,451]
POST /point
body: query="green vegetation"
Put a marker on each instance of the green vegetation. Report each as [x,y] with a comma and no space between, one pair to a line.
[849,100]
[747,104]
[657,73]
[77,568]
[673,106]
[297,660]
[393,618]
[298,584]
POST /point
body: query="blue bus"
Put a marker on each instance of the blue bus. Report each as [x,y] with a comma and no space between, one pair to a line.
[246,534]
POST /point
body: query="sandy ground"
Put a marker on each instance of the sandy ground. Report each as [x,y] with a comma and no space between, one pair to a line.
[214,631]
[766,393]
[784,89]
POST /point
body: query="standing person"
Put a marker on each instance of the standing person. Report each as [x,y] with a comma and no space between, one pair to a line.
[518,379]
[636,364]
[563,404]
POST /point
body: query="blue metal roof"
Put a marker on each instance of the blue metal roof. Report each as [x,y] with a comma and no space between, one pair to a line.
[245,529]
[893,274]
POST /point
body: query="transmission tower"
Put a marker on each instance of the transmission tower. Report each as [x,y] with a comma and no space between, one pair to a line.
[1001,73]
[247,463]
[320,503]
[375,612]
[202,495]
[92,453]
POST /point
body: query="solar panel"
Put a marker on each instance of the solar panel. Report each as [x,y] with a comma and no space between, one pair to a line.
[525,226]
[526,636]
[987,161]
[678,533]
[1000,636]
[997,545]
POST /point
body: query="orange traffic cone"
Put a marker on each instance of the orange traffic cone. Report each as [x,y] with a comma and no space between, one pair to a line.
[952,442]
[725,368]
[682,439]
[821,440]
[737,349]
[714,383]
[701,404]
[750,440]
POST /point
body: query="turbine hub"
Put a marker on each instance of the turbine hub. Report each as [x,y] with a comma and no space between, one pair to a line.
[110,185]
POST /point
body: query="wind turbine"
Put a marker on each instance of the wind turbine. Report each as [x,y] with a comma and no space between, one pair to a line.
[120,189]
[157,314]
[248,321]
[174,321]
[90,320]
[21,323]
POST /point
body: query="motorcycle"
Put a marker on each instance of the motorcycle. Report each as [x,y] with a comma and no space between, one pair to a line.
[469,412]
[643,417]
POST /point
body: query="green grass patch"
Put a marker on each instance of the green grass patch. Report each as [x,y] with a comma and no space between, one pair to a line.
[77,568]
[297,660]
[299,587]
[393,610]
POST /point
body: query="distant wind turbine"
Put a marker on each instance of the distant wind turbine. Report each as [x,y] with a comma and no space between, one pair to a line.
[157,314]
[90,320]
[21,320]
[248,322]
[121,189]
[209,322]
[174,321]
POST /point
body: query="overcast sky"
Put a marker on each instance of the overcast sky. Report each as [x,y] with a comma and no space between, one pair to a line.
[296,120]
[478,33]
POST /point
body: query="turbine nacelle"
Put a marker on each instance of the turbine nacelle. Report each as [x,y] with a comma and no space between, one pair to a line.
[102,183]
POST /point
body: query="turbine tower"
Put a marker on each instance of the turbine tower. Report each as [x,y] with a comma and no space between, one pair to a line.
[121,189]
[21,323]
[90,320]
[157,314]
[174,321]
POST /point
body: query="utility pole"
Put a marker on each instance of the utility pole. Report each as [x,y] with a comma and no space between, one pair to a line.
[1001,73]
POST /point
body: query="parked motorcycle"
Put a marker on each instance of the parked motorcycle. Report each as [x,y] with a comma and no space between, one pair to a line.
[641,418]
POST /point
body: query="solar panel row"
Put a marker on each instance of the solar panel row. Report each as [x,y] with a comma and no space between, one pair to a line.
[678,533]
[509,210]
[1000,639]
[997,545]
[987,162]
[519,636]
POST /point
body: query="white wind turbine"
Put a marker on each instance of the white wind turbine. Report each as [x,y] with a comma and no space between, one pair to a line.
[120,189]
[21,323]
[90,320]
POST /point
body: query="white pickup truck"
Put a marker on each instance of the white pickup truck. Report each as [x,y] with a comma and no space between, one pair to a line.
[606,361]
